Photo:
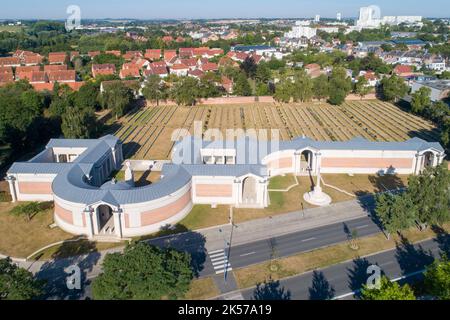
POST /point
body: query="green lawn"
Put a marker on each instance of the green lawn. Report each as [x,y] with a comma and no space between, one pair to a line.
[281,183]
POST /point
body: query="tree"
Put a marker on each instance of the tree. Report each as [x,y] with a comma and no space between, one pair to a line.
[27,209]
[263,73]
[242,86]
[321,88]
[117,97]
[20,108]
[144,272]
[430,194]
[388,291]
[421,100]
[396,212]
[154,90]
[17,283]
[249,67]
[302,87]
[283,91]
[87,96]
[186,91]
[393,88]
[437,279]
[79,123]
[340,86]
[362,87]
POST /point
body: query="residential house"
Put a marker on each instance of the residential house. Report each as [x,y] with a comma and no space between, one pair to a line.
[169,55]
[9,62]
[313,70]
[436,64]
[153,54]
[61,76]
[157,68]
[196,73]
[103,69]
[130,55]
[206,67]
[93,54]
[116,53]
[186,53]
[55,67]
[57,58]
[227,84]
[403,70]
[130,72]
[179,69]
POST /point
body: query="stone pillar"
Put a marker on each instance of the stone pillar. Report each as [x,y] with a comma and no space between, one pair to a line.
[238,184]
[12,188]
[316,166]
[89,223]
[297,166]
[117,223]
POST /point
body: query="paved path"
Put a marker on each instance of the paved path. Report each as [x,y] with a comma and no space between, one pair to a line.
[340,281]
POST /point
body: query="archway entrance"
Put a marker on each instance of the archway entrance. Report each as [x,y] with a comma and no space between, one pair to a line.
[249,193]
[428,160]
[306,162]
[105,219]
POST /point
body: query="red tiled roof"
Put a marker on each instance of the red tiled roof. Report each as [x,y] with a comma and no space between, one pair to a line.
[32,76]
[179,66]
[57,57]
[196,73]
[401,69]
[153,54]
[158,70]
[116,53]
[188,62]
[6,70]
[62,76]
[6,77]
[60,67]
[9,61]
[209,67]
[130,55]
[103,69]
[93,54]
[49,86]
[130,72]
[167,38]
[169,54]
[27,69]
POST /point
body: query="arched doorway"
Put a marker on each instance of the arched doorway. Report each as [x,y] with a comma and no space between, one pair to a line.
[428,160]
[306,161]
[249,193]
[105,219]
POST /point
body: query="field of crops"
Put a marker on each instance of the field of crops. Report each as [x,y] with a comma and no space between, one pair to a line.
[147,132]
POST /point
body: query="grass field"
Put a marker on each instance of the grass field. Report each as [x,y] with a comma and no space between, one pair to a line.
[147,132]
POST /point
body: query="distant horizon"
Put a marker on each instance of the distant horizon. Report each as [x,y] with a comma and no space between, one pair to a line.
[209,10]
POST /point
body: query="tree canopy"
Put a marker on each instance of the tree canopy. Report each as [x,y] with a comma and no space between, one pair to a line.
[144,272]
[388,291]
[17,283]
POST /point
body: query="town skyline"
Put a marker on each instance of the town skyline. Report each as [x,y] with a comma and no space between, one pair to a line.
[233,9]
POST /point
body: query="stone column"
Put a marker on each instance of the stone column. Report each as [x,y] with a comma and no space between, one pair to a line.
[12,188]
[117,223]
[89,222]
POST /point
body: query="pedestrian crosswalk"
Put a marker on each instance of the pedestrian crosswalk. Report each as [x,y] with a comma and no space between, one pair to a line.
[219,260]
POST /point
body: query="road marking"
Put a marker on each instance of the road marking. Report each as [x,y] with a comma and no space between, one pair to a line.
[247,254]
[219,261]
[310,239]
[393,280]
[363,227]
[216,251]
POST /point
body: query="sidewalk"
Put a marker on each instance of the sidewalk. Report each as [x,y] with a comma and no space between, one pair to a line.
[267,228]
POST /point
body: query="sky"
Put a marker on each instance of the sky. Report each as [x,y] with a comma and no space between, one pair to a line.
[196,9]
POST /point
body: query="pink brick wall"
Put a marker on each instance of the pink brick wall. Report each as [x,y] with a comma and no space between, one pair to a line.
[35,187]
[367,163]
[282,163]
[64,214]
[214,190]
[164,213]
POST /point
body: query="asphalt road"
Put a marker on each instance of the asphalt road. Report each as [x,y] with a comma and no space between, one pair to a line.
[346,278]
[294,243]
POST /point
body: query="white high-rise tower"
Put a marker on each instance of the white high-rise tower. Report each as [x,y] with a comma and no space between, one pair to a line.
[339,16]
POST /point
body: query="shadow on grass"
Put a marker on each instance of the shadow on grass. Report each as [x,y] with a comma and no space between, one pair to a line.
[320,289]
[271,290]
